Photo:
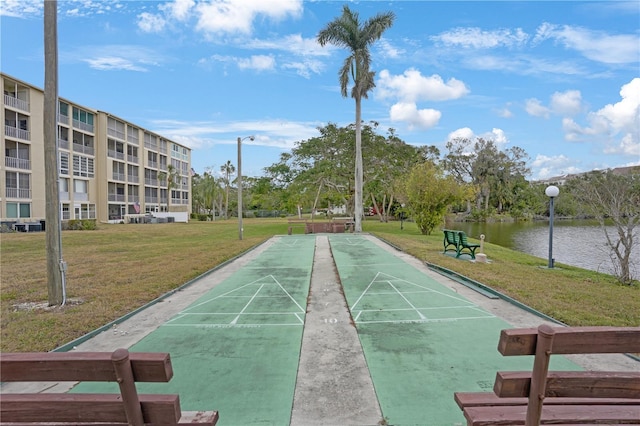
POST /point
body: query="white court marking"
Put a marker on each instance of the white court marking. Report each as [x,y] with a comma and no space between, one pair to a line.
[385,284]
[261,285]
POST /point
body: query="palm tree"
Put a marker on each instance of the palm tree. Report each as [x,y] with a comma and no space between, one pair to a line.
[347,31]
[227,168]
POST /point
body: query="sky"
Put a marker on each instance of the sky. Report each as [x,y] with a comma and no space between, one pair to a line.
[559,79]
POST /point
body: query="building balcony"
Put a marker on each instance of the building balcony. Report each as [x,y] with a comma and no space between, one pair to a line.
[63,144]
[17,163]
[116,197]
[148,199]
[153,164]
[82,149]
[13,102]
[134,198]
[118,176]
[115,154]
[80,196]
[83,126]
[19,193]
[63,119]
[133,179]
[14,132]
[64,196]
[151,182]
[133,159]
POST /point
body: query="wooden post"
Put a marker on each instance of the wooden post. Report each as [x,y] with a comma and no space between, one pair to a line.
[52,196]
[124,375]
[544,343]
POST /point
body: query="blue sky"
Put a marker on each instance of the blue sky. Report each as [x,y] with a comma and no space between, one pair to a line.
[559,79]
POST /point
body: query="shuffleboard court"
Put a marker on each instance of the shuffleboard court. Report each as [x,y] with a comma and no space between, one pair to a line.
[236,349]
[422,341]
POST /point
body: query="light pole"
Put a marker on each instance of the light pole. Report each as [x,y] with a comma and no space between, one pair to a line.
[552,192]
[239,180]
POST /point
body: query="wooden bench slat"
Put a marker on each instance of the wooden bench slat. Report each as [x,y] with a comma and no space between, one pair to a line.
[81,366]
[573,384]
[199,418]
[66,407]
[554,414]
[479,399]
[573,340]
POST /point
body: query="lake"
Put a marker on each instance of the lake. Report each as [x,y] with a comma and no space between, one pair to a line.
[578,243]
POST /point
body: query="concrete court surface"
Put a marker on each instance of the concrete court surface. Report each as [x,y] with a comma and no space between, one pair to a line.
[270,339]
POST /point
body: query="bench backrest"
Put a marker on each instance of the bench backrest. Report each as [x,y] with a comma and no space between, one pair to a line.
[451,236]
[120,366]
[545,341]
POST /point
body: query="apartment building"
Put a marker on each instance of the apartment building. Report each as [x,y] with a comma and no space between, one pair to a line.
[109,169]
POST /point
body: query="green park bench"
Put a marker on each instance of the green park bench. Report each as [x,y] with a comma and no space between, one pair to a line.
[457,241]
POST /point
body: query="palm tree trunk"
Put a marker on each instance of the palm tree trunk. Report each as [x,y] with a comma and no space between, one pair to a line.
[358,210]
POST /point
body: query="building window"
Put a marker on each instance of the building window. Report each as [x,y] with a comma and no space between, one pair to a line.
[85,211]
[65,212]
[115,128]
[18,210]
[82,119]
[150,141]
[64,163]
[83,166]
[132,134]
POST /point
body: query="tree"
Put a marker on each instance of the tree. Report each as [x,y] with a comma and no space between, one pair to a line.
[613,198]
[228,169]
[348,32]
[428,193]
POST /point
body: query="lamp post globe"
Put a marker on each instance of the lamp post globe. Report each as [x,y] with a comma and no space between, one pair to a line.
[552,192]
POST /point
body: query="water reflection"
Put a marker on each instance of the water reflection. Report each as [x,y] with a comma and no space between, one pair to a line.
[575,242]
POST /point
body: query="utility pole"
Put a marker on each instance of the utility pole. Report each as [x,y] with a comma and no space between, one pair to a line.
[55,265]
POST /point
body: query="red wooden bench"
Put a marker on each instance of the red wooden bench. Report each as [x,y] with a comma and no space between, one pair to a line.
[540,397]
[124,408]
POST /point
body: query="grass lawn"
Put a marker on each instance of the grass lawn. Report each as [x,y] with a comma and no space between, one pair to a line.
[118,268]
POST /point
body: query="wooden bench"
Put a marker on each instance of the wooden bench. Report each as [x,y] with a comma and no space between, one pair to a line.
[460,243]
[295,223]
[540,397]
[124,408]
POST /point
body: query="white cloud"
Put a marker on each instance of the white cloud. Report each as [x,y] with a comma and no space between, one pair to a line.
[595,45]
[566,103]
[558,165]
[236,16]
[496,135]
[621,120]
[408,112]
[411,86]
[293,43]
[257,62]
[179,10]
[21,8]
[388,50]
[305,68]
[463,133]
[505,113]
[203,134]
[110,63]
[218,16]
[534,107]
[476,38]
[126,57]
[150,23]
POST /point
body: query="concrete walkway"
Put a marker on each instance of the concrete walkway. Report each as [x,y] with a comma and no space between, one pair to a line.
[334,329]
